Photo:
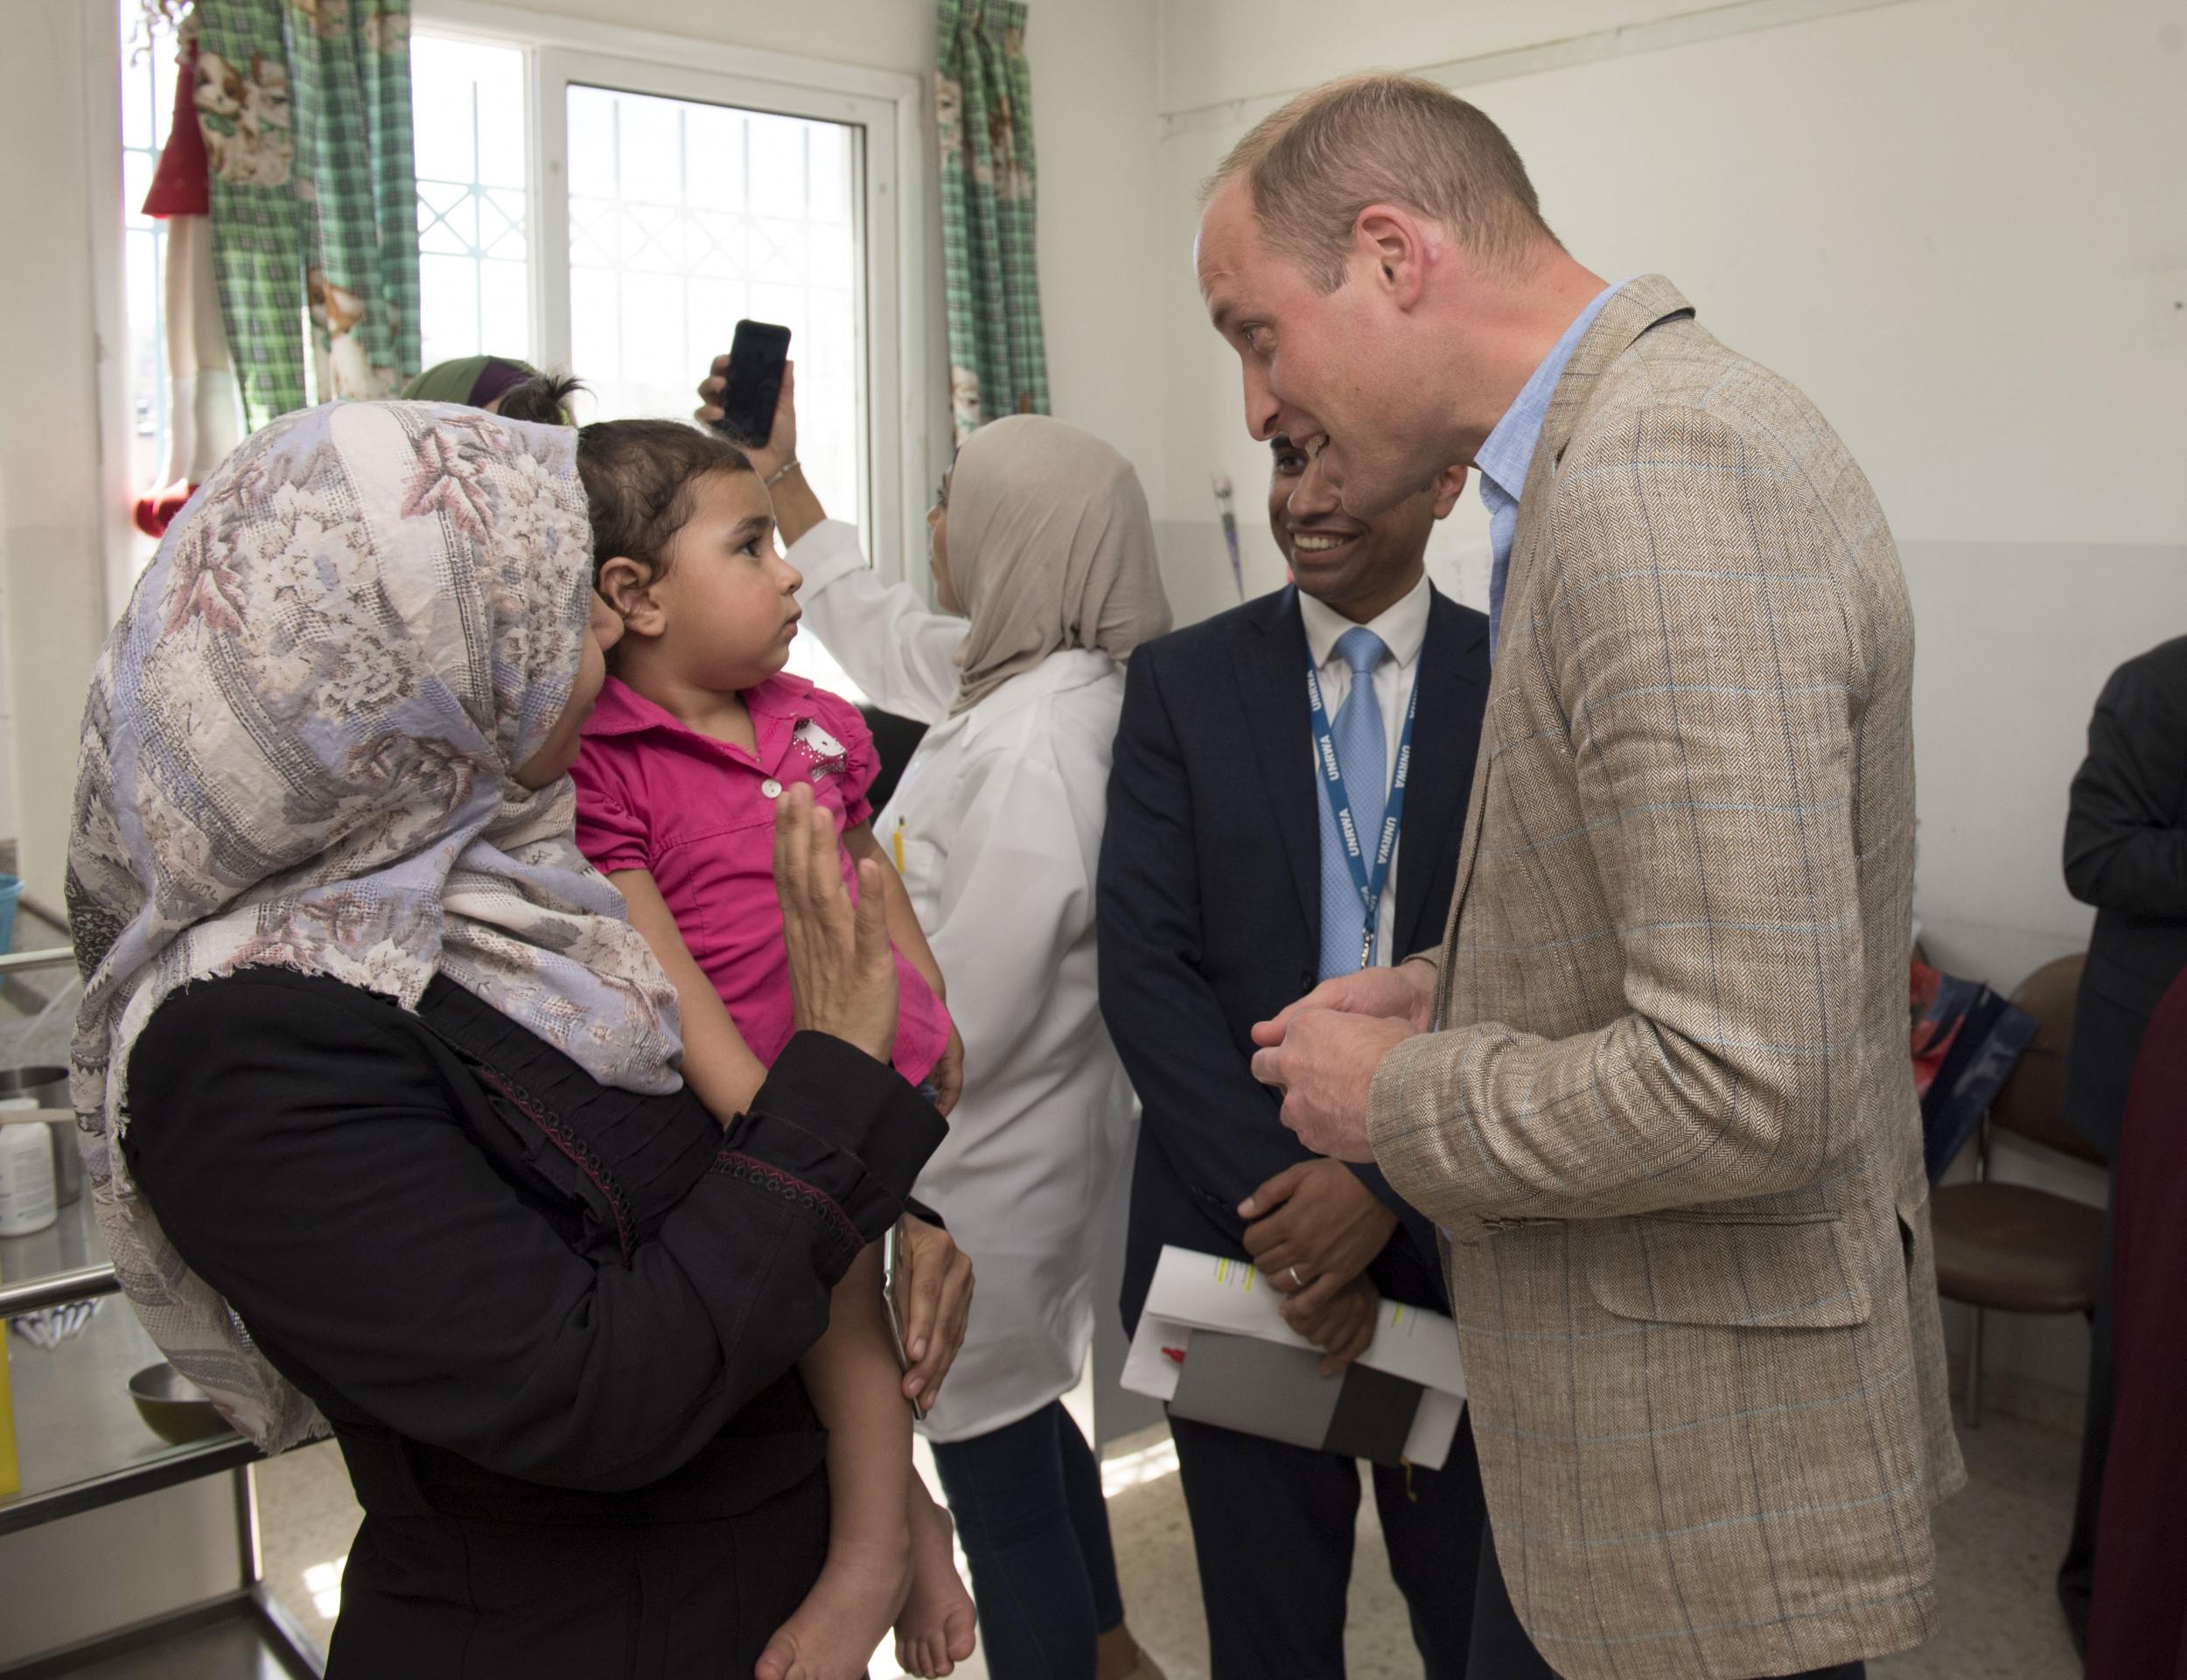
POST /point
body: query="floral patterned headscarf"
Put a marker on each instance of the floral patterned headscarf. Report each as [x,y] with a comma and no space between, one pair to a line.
[298,752]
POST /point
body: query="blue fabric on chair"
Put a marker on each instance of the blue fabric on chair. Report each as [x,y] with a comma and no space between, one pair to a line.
[1984,1036]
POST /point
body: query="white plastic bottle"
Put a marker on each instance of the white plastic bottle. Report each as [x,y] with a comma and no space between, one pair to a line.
[26,1181]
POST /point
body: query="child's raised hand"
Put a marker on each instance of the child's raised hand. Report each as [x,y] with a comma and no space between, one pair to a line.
[842,975]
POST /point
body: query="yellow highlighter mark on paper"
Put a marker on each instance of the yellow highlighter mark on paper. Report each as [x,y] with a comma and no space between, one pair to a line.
[1239,1274]
[1244,1276]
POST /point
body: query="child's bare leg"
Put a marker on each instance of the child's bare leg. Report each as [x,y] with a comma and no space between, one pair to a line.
[853,1378]
[934,1633]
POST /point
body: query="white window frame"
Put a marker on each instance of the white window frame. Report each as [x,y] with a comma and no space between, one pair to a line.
[122,545]
[894,453]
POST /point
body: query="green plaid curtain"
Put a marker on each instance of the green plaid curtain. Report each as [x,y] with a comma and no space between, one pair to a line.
[305,109]
[983,106]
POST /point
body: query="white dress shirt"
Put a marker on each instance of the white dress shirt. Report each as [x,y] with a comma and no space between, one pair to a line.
[1403,630]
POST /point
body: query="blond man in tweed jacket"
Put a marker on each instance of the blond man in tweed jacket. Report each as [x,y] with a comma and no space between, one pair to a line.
[1654,1087]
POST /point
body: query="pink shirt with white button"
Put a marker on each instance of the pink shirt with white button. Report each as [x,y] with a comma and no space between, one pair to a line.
[698,815]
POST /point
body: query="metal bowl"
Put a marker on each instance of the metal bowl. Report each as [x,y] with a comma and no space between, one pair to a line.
[174,1407]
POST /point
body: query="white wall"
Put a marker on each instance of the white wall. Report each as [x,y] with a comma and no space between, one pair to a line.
[1957,224]
[880,34]
[54,508]
[1095,124]
[1245,52]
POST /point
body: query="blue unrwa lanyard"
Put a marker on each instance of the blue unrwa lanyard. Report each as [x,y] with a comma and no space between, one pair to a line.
[1369,883]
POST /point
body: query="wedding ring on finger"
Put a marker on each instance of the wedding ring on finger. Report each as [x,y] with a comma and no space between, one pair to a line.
[1298,1282]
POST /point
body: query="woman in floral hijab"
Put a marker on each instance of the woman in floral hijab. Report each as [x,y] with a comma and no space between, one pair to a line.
[379,1087]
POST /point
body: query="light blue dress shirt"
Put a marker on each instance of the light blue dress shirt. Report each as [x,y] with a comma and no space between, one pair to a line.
[1503,459]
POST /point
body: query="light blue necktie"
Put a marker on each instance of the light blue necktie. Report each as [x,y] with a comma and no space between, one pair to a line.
[1362,754]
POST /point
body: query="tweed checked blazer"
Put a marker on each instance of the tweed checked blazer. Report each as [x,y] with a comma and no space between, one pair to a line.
[1667,1124]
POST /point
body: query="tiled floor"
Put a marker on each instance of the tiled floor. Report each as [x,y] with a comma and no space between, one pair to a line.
[1997,1545]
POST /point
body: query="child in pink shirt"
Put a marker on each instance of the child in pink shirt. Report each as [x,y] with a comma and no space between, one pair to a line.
[694,810]
[697,737]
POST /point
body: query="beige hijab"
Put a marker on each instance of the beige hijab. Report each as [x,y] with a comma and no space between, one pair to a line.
[1050,546]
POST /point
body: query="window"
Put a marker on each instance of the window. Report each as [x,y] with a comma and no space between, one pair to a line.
[471,141]
[617,215]
[685,218]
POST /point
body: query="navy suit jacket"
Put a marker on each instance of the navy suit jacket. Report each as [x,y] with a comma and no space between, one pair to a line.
[1210,907]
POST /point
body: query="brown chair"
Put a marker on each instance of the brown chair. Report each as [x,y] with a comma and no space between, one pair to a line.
[2009,1247]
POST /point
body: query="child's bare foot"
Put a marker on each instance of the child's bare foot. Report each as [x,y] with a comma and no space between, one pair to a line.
[934,1633]
[843,1619]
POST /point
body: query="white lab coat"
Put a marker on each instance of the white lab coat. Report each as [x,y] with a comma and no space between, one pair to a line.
[1001,813]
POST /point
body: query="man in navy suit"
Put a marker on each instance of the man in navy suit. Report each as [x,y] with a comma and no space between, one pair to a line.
[1228,889]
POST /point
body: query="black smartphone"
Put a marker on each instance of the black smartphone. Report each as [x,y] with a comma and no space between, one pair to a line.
[756,360]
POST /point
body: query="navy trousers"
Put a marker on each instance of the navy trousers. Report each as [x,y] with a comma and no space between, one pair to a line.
[1273,1526]
[1027,1498]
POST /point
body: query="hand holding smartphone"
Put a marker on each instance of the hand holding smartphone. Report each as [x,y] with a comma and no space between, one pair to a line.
[753,384]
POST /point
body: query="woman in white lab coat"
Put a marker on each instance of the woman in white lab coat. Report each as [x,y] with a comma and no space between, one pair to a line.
[1043,562]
